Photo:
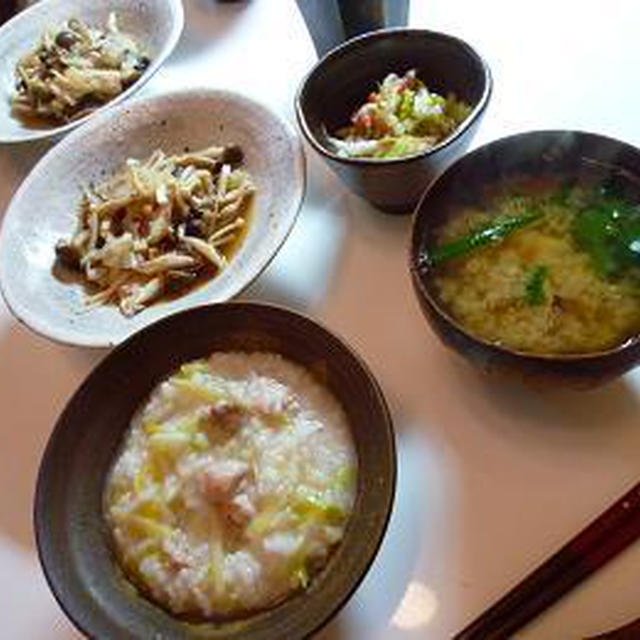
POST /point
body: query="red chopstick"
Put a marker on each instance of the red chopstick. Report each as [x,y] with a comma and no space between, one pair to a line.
[605,537]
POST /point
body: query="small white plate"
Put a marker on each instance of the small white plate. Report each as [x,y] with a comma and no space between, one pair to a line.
[44,207]
[155,24]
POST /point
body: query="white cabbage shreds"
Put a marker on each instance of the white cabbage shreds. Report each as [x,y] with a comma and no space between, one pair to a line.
[234,484]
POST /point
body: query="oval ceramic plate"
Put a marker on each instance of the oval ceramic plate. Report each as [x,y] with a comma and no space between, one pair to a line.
[73,540]
[155,24]
[44,207]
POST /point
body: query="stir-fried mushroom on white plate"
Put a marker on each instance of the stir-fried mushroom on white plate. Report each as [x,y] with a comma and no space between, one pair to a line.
[61,61]
[149,208]
[160,225]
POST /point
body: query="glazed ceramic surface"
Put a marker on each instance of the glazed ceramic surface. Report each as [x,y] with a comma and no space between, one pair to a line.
[155,24]
[446,64]
[331,22]
[68,515]
[44,208]
[570,154]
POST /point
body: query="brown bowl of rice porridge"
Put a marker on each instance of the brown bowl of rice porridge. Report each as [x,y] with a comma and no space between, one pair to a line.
[226,472]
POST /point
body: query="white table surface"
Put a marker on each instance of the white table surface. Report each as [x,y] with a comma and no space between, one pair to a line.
[492,478]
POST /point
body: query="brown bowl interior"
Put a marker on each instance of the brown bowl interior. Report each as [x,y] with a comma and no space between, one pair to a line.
[566,154]
[72,538]
[340,82]
[344,78]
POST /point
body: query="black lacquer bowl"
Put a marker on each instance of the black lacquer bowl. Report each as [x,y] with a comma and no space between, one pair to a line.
[72,537]
[342,80]
[566,154]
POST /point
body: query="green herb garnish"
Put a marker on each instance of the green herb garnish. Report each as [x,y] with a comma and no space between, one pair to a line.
[534,294]
[405,108]
[609,231]
[480,237]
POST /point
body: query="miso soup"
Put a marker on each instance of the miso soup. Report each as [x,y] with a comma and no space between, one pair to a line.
[542,266]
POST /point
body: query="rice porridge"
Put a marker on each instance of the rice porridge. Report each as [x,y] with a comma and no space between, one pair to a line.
[233,486]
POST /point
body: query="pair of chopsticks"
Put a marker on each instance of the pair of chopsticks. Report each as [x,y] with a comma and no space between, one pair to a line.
[605,537]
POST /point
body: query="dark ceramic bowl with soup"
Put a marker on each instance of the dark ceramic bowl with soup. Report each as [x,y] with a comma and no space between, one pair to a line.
[341,82]
[525,257]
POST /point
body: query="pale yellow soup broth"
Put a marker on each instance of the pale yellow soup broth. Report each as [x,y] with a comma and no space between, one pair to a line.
[485,290]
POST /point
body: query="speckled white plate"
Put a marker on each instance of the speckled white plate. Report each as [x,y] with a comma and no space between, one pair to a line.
[155,24]
[44,207]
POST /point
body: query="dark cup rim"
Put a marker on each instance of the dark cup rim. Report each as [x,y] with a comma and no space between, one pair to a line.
[418,276]
[346,47]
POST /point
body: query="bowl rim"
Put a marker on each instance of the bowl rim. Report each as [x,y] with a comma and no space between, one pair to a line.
[76,338]
[415,244]
[177,11]
[361,40]
[46,468]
